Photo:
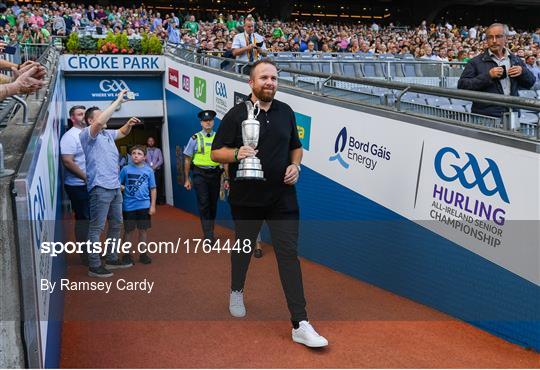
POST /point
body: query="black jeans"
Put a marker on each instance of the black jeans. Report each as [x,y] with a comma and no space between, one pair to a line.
[79,198]
[282,218]
[206,184]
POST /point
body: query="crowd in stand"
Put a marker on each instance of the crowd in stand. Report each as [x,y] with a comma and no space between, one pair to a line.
[37,23]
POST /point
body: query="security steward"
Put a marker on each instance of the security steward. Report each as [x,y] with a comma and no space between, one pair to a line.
[206,173]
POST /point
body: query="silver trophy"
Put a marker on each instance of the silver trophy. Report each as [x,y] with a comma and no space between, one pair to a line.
[250,168]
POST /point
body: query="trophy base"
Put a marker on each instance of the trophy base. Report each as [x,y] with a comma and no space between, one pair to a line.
[252,174]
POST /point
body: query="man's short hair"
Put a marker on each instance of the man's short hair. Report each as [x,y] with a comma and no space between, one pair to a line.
[504,27]
[142,148]
[89,113]
[74,108]
[261,61]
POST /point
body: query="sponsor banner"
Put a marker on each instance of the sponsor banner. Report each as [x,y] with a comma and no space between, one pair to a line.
[141,109]
[43,203]
[482,196]
[90,88]
[303,124]
[221,94]
[428,176]
[110,62]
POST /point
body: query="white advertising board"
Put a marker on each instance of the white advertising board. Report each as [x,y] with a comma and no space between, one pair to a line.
[481,195]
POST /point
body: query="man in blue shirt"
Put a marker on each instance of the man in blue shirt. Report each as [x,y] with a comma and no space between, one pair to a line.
[101,156]
[174,34]
[139,186]
[530,63]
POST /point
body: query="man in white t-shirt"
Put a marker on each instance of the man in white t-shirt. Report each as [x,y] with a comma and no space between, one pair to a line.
[75,174]
[248,46]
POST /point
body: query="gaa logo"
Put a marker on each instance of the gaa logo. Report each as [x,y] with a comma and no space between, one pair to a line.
[450,166]
[114,86]
[339,147]
[173,77]
[221,90]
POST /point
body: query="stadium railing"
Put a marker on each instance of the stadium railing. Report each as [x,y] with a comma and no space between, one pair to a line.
[442,103]
[36,52]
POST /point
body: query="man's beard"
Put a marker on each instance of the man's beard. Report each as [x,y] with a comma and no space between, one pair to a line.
[264,95]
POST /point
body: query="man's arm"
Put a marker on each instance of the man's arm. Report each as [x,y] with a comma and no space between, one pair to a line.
[231,155]
[101,121]
[4,64]
[159,158]
[126,129]
[526,79]
[187,168]
[292,173]
[238,50]
[26,83]
[262,50]
[471,80]
[69,162]
[153,196]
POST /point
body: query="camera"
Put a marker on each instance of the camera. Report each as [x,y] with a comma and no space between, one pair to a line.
[130,95]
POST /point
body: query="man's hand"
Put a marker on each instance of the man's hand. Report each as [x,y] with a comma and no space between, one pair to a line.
[496,72]
[26,83]
[187,184]
[121,96]
[291,175]
[133,121]
[152,210]
[246,151]
[515,71]
[26,66]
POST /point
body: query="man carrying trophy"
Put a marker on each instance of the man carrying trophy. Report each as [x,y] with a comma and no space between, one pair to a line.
[259,140]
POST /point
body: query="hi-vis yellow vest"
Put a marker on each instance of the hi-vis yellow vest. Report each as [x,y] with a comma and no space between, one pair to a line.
[204,146]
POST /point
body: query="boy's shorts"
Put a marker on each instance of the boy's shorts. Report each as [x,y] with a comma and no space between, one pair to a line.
[137,219]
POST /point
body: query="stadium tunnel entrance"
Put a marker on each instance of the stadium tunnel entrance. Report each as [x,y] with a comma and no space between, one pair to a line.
[374,206]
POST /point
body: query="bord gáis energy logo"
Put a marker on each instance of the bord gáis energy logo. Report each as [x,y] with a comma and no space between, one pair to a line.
[450,166]
[339,147]
[361,152]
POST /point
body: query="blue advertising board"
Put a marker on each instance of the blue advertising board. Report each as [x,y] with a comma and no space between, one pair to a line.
[88,88]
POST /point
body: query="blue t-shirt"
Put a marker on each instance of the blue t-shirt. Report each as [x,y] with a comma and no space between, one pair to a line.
[138,182]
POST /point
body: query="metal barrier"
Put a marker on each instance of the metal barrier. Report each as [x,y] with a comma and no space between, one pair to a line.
[435,73]
[32,51]
[390,96]
[9,106]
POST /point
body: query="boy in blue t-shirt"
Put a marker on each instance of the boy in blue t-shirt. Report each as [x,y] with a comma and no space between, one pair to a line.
[139,187]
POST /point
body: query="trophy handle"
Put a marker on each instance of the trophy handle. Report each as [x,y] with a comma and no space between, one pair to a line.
[251,109]
[258,107]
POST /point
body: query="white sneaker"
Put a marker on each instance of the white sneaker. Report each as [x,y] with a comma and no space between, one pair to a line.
[305,334]
[236,304]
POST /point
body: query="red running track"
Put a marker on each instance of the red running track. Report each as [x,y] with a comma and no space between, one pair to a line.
[185,322]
